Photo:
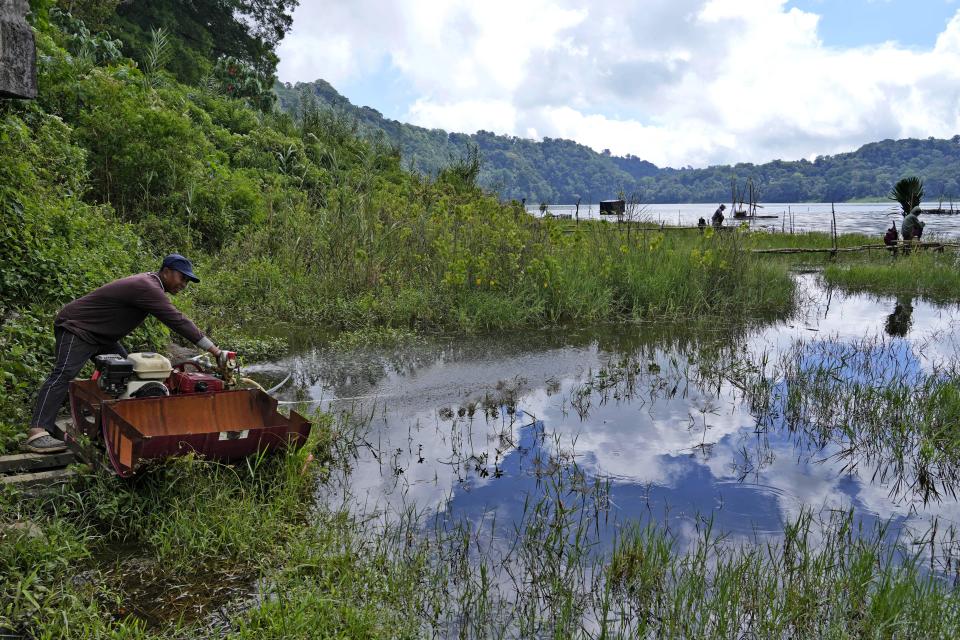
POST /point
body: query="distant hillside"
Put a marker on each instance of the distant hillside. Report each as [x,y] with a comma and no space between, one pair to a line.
[559,171]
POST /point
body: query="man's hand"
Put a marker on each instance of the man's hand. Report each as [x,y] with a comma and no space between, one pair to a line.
[222,356]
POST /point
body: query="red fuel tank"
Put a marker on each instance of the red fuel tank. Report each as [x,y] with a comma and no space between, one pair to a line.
[184,382]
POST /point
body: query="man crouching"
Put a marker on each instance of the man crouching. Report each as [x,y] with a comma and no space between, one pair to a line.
[95,323]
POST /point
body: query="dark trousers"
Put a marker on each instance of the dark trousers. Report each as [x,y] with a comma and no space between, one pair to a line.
[72,353]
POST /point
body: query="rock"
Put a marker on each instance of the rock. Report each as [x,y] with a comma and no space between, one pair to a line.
[18,52]
[23,528]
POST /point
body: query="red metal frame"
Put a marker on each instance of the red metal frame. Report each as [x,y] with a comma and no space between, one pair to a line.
[225,425]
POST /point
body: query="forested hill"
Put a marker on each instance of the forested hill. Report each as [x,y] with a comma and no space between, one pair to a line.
[560,171]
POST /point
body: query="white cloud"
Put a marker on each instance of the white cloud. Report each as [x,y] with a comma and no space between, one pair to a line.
[673,81]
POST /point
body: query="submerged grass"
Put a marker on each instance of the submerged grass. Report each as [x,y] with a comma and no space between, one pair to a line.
[826,577]
[870,403]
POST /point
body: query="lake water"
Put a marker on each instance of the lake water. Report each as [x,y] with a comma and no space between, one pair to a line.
[465,427]
[871,218]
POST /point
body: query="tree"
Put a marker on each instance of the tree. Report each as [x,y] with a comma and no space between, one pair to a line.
[206,30]
[907,192]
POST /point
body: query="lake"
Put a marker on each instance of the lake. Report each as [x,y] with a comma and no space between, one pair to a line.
[871,218]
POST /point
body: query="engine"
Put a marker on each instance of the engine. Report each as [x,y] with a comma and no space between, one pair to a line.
[149,375]
[139,375]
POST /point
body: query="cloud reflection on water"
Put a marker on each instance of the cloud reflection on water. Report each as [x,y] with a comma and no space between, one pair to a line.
[674,449]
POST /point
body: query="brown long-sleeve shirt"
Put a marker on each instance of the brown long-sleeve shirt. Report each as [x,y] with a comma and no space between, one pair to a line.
[107,314]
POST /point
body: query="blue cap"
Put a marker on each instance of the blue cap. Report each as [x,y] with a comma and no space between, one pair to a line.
[181,264]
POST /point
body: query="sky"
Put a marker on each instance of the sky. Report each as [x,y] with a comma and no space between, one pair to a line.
[676,82]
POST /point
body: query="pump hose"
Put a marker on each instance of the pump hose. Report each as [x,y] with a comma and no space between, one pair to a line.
[246,383]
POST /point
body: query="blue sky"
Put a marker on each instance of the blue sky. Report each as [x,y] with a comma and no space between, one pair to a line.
[852,23]
[676,82]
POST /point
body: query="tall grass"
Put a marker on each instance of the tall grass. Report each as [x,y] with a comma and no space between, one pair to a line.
[489,266]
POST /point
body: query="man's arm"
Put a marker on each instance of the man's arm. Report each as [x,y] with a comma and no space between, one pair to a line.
[155,302]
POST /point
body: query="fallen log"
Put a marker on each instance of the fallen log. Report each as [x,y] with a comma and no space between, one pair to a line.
[866,247]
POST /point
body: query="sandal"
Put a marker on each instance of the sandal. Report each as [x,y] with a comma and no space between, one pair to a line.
[42,443]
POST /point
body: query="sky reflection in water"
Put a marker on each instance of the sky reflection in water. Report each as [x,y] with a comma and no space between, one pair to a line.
[464,426]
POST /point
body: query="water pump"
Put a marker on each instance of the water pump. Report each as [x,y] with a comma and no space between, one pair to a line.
[139,375]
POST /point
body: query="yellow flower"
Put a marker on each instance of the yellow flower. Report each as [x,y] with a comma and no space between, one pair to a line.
[479,281]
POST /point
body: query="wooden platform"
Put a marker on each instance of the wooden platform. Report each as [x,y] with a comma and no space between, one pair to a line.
[36,470]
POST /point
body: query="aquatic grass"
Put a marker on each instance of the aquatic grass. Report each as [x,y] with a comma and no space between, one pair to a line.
[323,572]
[383,337]
[827,576]
[922,274]
[868,403]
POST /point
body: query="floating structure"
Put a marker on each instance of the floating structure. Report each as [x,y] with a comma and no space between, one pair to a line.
[613,207]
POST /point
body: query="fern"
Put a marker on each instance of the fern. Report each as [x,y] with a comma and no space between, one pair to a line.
[158,51]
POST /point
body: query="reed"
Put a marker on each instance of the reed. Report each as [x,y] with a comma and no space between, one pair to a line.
[488,266]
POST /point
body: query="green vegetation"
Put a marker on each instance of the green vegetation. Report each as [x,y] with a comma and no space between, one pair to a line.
[124,159]
[330,574]
[923,274]
[868,402]
[117,164]
[481,266]
[562,171]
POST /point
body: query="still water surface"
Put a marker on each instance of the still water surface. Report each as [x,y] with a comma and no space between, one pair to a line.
[464,427]
[871,218]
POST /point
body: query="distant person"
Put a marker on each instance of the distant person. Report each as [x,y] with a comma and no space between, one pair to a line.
[717,218]
[891,237]
[912,228]
[701,224]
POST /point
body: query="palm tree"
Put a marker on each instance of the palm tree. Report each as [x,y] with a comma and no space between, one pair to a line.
[908,192]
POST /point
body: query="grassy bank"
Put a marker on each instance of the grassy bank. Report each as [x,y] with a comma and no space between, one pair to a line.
[922,274]
[107,558]
[490,266]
